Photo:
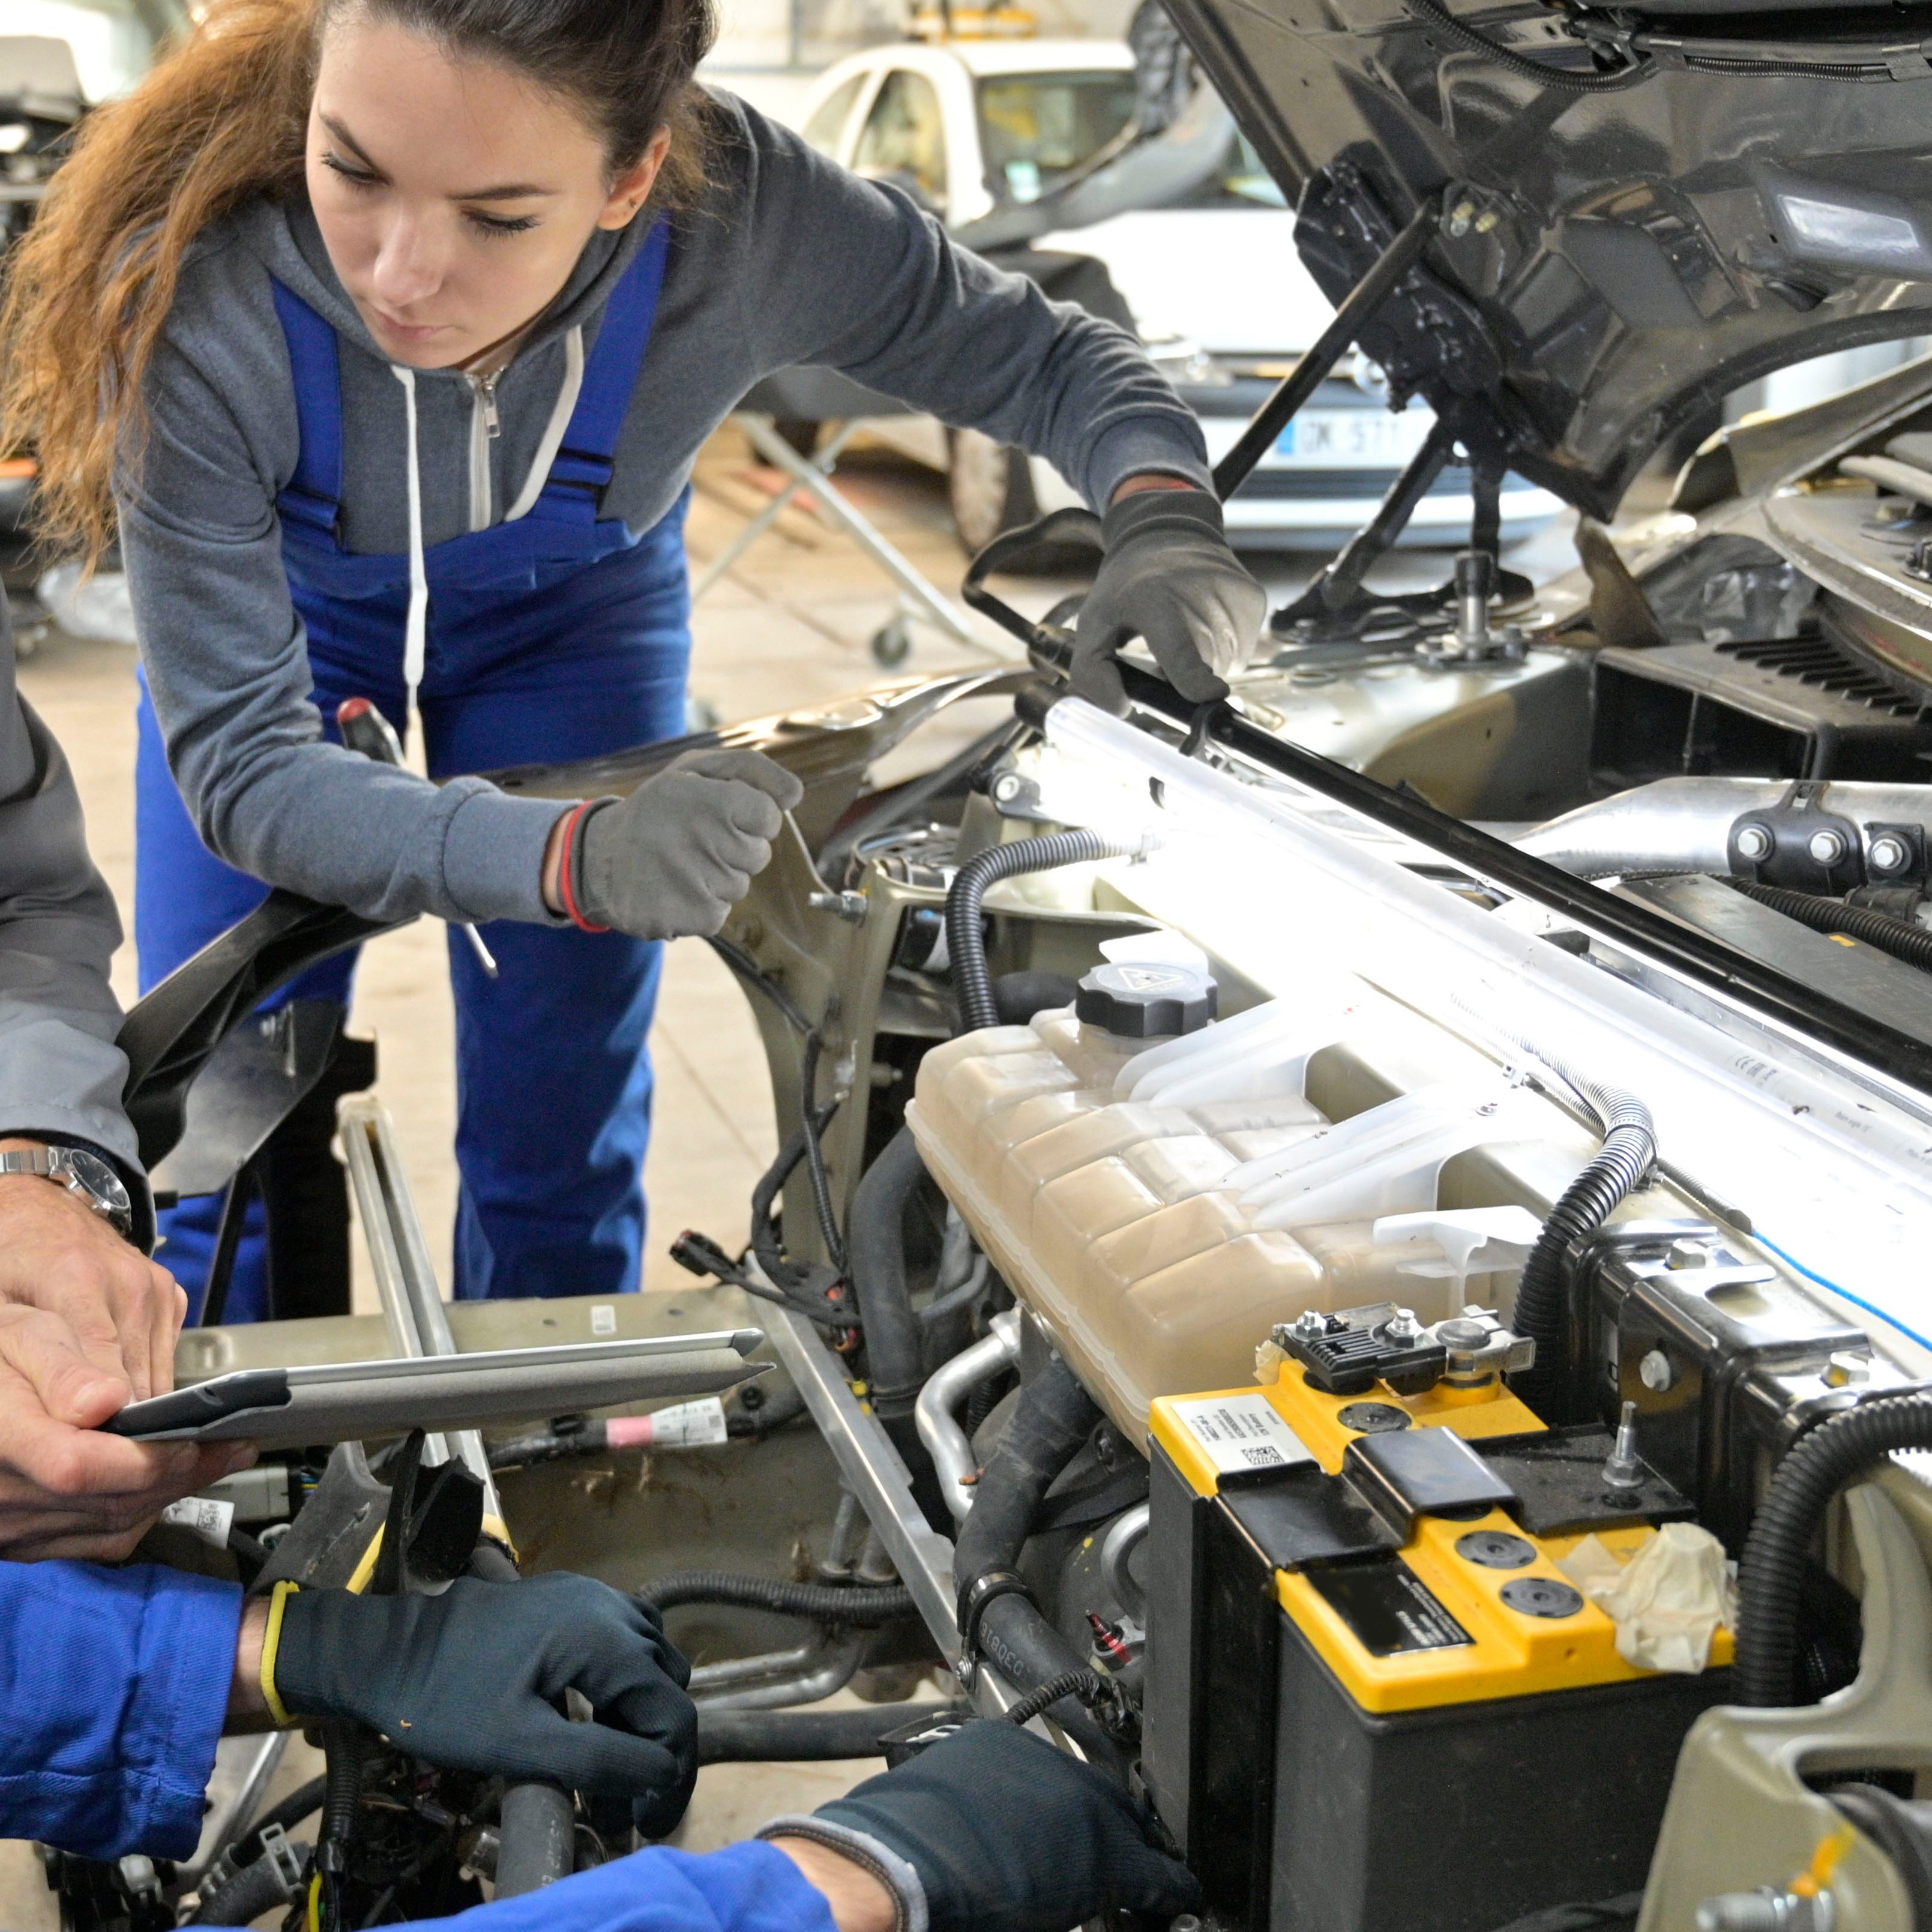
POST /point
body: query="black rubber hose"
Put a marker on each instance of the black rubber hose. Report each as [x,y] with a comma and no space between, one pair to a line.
[771,1415]
[860,1603]
[1902,938]
[538,1845]
[876,1252]
[256,1888]
[1542,1297]
[1053,1418]
[1771,1574]
[781,1737]
[965,940]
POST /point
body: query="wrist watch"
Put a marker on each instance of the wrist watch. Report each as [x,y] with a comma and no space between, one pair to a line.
[90,1179]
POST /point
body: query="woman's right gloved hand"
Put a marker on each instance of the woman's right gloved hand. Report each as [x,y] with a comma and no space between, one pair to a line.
[474,1680]
[671,860]
[1003,1833]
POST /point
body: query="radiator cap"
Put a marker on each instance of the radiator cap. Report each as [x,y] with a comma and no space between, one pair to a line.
[1146,1000]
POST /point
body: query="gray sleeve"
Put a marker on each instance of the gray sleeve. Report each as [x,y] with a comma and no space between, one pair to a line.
[853,275]
[227,659]
[61,1074]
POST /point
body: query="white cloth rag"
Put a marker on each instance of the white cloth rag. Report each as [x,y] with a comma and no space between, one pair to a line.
[1667,1602]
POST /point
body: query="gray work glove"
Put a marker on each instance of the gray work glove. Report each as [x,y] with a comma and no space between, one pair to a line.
[673,859]
[1169,577]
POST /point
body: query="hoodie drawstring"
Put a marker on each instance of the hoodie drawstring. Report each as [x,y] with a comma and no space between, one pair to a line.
[552,439]
[416,630]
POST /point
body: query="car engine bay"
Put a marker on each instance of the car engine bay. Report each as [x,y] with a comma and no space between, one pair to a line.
[1354,1253]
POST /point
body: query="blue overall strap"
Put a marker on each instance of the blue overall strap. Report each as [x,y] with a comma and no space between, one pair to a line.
[313,498]
[587,456]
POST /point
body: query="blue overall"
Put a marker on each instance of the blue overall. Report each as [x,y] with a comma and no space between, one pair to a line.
[560,636]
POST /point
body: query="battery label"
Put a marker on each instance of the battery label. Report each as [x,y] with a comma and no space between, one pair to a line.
[1242,1434]
[1389,1608]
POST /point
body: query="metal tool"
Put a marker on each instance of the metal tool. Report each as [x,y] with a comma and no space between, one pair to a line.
[364,729]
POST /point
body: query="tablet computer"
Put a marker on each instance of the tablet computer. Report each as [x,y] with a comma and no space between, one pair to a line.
[335,1402]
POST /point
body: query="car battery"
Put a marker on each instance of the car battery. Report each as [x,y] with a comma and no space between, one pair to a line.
[1373,1703]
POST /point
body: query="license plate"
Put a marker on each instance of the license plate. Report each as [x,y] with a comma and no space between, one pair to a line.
[1350,440]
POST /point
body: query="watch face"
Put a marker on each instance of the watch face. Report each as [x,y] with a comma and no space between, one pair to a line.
[98,1178]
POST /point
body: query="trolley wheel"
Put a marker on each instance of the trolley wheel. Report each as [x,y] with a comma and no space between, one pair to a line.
[892,643]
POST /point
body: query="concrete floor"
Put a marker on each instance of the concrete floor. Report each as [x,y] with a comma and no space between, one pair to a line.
[788,628]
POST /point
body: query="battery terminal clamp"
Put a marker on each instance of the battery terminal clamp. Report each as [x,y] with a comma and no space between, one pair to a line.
[1350,1353]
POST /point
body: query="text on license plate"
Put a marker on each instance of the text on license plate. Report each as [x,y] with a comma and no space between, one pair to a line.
[1365,439]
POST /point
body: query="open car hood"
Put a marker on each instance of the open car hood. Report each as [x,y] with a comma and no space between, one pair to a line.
[1607,265]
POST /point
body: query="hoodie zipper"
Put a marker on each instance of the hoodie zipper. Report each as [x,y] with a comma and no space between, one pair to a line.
[485,426]
[486,389]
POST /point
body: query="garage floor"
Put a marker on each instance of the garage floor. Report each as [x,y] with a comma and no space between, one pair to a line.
[789,627]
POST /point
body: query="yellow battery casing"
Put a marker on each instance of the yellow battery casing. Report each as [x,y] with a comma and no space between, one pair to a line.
[1509,1653]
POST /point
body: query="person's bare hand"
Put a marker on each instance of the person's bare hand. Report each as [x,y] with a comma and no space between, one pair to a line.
[57,1254]
[65,1489]
[88,1323]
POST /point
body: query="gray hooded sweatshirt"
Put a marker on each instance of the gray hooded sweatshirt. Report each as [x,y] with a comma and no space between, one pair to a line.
[785,259]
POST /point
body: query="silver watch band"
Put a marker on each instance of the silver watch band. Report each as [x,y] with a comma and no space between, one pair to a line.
[83,1174]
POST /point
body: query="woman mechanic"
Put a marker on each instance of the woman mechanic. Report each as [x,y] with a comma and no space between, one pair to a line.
[391,330]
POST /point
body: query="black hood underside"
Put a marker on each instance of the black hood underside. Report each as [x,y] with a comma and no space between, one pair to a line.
[1682,206]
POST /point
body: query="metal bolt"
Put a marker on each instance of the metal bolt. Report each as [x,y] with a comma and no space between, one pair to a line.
[1623,1468]
[1403,1326]
[851,907]
[1685,1254]
[1827,847]
[1460,216]
[1007,785]
[1889,852]
[1657,1372]
[1753,842]
[1310,1325]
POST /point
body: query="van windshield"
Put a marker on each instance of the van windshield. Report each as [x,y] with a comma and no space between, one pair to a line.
[1037,129]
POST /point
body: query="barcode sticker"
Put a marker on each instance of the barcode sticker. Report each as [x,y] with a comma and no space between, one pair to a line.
[206,1518]
[1242,1434]
[689,1425]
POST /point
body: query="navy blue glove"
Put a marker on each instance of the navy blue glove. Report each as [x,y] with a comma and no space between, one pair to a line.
[474,1680]
[1008,1834]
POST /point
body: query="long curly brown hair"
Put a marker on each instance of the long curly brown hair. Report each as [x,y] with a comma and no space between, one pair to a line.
[224,118]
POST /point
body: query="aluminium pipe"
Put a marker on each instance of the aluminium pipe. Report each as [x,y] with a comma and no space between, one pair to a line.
[945,1388]
[795,1677]
[1684,825]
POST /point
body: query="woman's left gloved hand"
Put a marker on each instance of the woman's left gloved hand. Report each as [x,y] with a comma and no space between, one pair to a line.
[1168,577]
[474,1679]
